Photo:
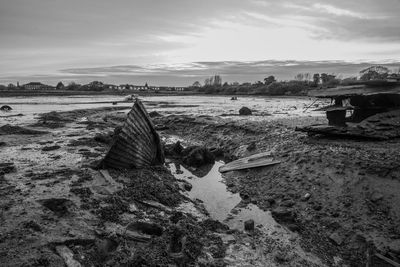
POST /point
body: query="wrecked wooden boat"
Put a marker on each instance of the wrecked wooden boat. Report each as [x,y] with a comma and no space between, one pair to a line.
[254,161]
[369,109]
[137,144]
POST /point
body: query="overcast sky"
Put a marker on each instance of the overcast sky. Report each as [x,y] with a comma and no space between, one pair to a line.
[176,42]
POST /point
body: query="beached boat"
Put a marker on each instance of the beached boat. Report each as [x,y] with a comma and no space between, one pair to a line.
[368,109]
[137,144]
[132,97]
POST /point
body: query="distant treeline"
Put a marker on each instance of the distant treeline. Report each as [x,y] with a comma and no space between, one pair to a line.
[300,85]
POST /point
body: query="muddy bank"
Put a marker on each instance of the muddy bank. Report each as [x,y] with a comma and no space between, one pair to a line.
[335,201]
[56,203]
[340,195]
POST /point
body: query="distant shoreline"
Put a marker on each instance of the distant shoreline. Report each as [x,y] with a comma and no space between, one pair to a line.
[11,93]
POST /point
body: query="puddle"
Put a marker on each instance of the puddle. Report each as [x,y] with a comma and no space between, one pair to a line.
[220,203]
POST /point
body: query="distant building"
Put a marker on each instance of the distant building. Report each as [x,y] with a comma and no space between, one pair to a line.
[37,86]
[33,86]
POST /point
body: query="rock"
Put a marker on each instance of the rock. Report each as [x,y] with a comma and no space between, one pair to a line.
[245,111]
[376,196]
[199,156]
[282,214]
[5,108]
[249,225]
[50,148]
[336,238]
[187,186]
[306,197]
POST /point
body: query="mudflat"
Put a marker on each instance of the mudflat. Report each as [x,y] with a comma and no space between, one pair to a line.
[331,202]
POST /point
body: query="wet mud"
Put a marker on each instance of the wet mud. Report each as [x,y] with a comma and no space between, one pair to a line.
[331,202]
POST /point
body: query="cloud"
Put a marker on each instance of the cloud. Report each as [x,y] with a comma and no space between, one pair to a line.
[41,37]
[338,11]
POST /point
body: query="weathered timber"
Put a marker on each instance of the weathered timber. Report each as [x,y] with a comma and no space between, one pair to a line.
[137,144]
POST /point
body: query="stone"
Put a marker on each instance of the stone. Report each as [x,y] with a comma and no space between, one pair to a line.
[306,197]
[282,214]
[199,156]
[336,238]
[249,225]
[245,111]
[376,196]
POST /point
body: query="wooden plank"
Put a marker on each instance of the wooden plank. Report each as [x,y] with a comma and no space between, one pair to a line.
[257,160]
[387,260]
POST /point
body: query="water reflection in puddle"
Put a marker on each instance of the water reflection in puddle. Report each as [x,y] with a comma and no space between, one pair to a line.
[219,202]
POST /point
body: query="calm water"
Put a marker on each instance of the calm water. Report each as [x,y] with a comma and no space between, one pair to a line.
[264,108]
[219,202]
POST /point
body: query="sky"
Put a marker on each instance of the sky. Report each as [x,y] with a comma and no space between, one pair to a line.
[178,42]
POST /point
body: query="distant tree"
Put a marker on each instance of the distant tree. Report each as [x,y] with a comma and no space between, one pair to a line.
[60,86]
[235,84]
[307,76]
[196,84]
[225,84]
[374,73]
[316,79]
[146,85]
[73,86]
[270,79]
[258,83]
[207,82]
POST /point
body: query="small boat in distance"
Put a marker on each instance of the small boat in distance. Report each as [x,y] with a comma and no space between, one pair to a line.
[131,97]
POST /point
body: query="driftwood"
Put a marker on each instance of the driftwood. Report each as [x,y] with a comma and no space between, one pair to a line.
[257,160]
[137,144]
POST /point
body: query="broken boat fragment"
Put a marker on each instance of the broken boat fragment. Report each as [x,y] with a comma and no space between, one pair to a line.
[257,160]
[137,144]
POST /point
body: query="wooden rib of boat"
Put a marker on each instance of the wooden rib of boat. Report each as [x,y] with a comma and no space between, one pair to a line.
[137,145]
[257,160]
